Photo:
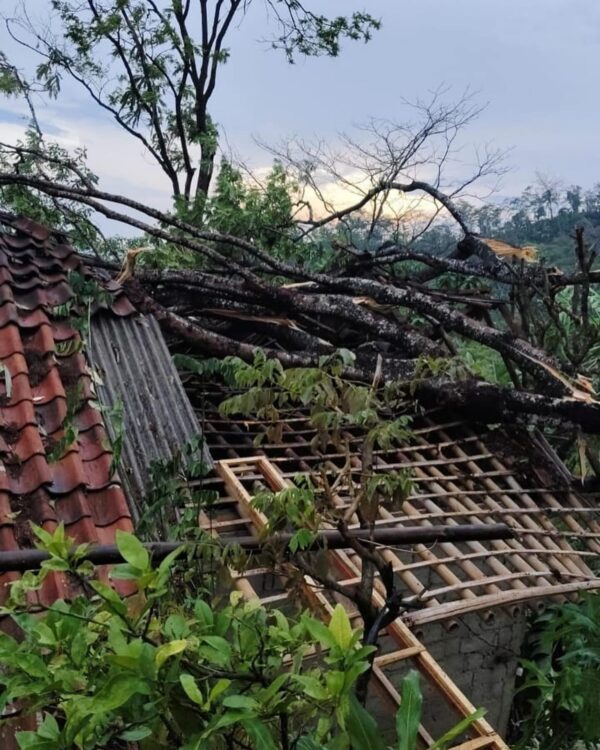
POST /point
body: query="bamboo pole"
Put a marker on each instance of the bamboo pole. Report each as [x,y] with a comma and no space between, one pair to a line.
[531,525]
[452,610]
[496,565]
[573,566]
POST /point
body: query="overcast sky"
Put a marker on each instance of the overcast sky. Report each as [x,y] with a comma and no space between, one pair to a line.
[536,62]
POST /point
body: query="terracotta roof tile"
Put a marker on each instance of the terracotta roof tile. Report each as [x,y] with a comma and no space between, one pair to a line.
[42,480]
[8,314]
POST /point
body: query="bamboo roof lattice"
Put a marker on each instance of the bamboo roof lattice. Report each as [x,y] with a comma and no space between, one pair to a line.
[462,473]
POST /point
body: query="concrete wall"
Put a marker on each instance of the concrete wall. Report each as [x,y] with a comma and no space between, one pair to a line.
[480,654]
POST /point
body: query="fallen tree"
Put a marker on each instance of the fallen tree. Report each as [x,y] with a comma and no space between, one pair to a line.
[398,324]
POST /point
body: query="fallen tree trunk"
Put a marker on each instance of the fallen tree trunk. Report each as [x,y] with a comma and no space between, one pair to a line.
[486,402]
[382,319]
[478,399]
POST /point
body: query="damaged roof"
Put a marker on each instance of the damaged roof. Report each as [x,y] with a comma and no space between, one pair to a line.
[462,472]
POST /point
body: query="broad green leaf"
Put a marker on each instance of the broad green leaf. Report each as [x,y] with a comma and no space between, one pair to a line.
[44,536]
[312,687]
[49,729]
[319,631]
[215,649]
[44,634]
[203,613]
[32,741]
[457,730]
[167,650]
[340,628]
[335,682]
[136,734]
[188,683]
[132,550]
[126,572]
[307,743]
[217,689]
[408,716]
[176,627]
[116,691]
[240,701]
[226,720]
[363,731]
[79,647]
[55,564]
[168,561]
[274,688]
[109,595]
[259,734]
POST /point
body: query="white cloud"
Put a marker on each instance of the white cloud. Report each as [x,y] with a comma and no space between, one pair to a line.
[117,159]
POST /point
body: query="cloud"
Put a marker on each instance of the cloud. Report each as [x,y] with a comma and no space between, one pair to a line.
[336,195]
[117,159]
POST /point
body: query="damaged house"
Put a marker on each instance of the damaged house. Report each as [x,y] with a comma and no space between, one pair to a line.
[65,405]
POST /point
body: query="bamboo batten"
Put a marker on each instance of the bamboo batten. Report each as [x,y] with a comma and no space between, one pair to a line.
[520,564]
[411,581]
[473,571]
[458,477]
[529,524]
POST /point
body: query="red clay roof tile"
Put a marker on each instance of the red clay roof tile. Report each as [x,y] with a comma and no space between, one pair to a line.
[49,389]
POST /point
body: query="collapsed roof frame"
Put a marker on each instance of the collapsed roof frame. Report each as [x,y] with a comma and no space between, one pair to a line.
[462,471]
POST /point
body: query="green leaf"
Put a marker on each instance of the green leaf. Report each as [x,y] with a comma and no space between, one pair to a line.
[340,628]
[457,730]
[136,734]
[116,691]
[109,595]
[191,689]
[408,717]
[167,650]
[168,561]
[319,631]
[311,686]
[335,682]
[49,729]
[363,731]
[203,613]
[240,701]
[132,550]
[259,734]
[32,741]
[217,689]
[307,743]
[215,648]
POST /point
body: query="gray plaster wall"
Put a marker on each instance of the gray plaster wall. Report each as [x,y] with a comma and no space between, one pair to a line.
[480,653]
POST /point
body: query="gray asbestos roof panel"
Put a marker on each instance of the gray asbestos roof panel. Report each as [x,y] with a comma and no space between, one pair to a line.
[133,366]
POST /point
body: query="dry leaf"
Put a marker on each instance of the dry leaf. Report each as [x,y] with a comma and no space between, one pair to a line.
[128,267]
[504,249]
